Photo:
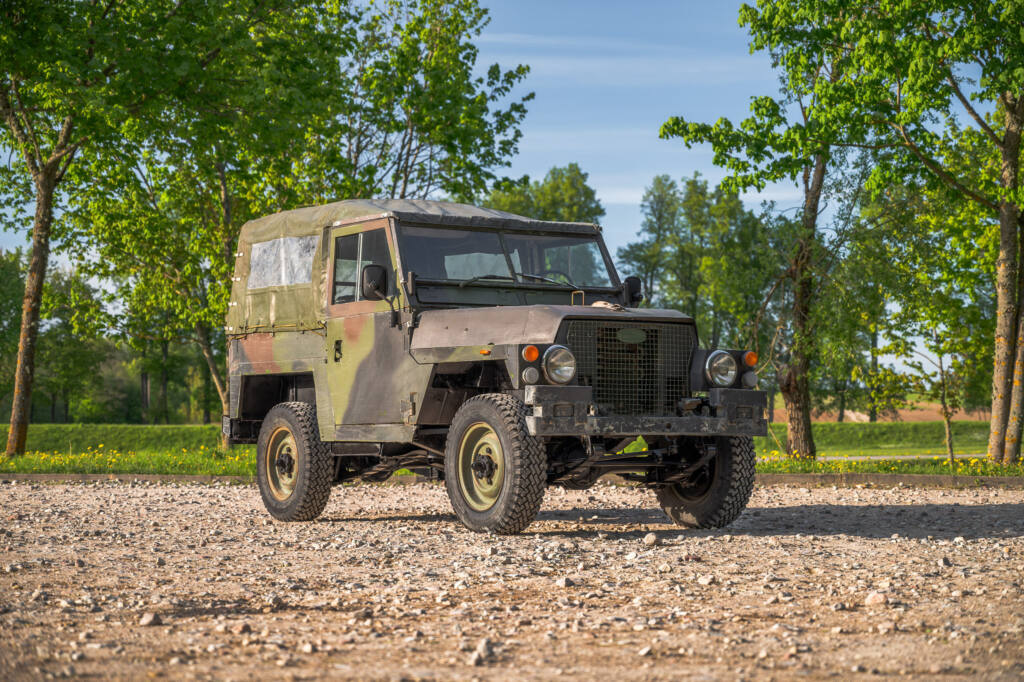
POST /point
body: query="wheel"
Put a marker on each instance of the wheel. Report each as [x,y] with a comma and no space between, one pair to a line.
[494,470]
[717,496]
[294,468]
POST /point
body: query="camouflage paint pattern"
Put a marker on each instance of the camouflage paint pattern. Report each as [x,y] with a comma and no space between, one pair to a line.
[370,376]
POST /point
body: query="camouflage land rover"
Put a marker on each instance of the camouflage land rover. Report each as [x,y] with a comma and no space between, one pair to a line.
[497,352]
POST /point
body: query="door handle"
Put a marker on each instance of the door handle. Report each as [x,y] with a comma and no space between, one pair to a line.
[337,350]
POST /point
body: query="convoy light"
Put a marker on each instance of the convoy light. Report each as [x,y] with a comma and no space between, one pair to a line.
[749,379]
[721,368]
[531,375]
[559,364]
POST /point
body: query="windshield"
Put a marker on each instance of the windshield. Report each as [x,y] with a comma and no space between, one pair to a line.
[464,255]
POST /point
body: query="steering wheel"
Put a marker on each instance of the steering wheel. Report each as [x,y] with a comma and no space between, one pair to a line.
[568,279]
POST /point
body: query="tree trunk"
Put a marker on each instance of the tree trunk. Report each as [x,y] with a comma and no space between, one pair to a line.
[872,403]
[1007,298]
[53,408]
[206,394]
[67,406]
[205,345]
[1015,422]
[796,396]
[144,394]
[842,406]
[947,414]
[21,403]
[795,382]
[164,347]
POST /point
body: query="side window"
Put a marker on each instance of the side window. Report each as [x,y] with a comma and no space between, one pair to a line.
[346,269]
[375,250]
[351,253]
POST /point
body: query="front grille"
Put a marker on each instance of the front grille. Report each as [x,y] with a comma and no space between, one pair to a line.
[635,368]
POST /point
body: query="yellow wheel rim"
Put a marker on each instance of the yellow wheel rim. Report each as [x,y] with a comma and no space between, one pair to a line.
[481,466]
[282,463]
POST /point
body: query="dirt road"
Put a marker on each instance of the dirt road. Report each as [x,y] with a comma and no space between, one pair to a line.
[810,583]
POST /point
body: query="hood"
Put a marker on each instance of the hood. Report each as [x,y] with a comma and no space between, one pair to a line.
[517,324]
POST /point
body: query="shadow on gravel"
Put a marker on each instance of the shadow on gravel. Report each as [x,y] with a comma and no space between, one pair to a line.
[940,521]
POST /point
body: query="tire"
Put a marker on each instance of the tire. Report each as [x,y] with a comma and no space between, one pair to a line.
[722,497]
[500,496]
[298,492]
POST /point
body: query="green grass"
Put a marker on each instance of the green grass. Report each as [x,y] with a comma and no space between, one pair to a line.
[123,437]
[241,461]
[193,450]
[201,461]
[935,465]
[884,438]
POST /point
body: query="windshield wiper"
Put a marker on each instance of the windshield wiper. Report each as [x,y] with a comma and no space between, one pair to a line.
[546,279]
[480,277]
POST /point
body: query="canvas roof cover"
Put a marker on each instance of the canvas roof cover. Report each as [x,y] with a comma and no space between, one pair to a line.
[278,293]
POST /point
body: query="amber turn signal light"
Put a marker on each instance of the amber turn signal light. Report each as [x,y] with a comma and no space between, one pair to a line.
[531,353]
[750,358]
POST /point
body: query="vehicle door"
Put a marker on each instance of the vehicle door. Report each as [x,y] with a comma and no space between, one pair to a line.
[368,367]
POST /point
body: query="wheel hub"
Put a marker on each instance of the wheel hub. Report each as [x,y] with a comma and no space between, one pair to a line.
[484,467]
[285,464]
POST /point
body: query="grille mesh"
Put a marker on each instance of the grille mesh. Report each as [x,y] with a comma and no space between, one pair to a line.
[635,368]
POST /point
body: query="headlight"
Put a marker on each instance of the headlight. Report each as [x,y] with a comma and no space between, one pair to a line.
[721,368]
[559,364]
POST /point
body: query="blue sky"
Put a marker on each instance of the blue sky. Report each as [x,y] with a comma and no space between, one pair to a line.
[608,74]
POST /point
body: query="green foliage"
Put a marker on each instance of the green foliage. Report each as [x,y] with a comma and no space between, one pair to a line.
[12,290]
[70,345]
[563,195]
[702,253]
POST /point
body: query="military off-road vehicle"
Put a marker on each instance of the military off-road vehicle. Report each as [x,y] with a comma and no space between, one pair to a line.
[499,353]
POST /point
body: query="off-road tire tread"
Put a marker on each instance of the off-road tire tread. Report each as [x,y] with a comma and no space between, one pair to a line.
[741,486]
[527,457]
[320,469]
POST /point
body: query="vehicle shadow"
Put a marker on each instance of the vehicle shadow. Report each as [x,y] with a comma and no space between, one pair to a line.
[938,521]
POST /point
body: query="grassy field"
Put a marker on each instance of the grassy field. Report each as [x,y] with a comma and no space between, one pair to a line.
[201,461]
[193,450]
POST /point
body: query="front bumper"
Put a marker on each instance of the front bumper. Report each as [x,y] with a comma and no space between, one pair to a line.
[568,411]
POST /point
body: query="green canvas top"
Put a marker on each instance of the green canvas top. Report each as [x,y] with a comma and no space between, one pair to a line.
[283,287]
[311,219]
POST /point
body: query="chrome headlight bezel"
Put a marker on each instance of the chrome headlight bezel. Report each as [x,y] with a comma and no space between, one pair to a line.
[555,354]
[718,361]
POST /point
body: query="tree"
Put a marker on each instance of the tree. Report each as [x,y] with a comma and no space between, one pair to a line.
[411,118]
[12,286]
[563,195]
[647,259]
[771,146]
[916,73]
[70,342]
[387,105]
[75,78]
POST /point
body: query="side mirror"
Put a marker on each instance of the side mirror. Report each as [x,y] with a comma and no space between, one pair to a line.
[634,290]
[374,282]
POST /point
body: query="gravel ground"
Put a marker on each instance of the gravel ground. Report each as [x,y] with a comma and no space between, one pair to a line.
[129,580]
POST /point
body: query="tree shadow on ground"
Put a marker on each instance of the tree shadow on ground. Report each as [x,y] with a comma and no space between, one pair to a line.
[939,521]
